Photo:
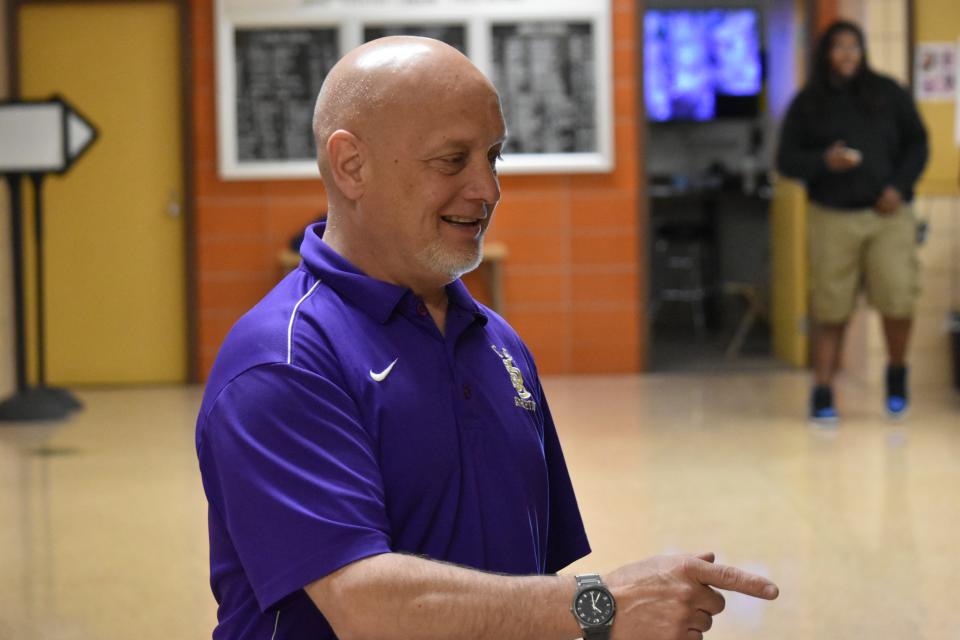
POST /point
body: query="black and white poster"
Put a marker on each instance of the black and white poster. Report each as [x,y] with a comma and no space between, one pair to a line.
[544,73]
[278,76]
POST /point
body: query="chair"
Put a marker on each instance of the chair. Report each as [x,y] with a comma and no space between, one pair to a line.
[678,273]
[755,296]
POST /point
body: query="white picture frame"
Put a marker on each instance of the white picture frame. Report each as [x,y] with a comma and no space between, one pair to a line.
[592,143]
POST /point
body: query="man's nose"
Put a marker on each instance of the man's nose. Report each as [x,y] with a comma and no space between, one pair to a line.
[484,185]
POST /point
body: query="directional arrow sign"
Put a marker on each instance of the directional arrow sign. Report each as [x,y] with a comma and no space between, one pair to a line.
[42,136]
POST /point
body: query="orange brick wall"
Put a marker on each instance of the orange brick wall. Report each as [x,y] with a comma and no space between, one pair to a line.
[572,279]
[827,12]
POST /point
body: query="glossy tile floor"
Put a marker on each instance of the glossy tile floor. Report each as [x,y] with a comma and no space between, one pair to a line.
[103,535]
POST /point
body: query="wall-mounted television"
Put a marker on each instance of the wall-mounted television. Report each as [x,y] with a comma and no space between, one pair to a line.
[702,64]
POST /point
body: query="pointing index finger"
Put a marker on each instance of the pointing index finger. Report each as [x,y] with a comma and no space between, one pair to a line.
[733,579]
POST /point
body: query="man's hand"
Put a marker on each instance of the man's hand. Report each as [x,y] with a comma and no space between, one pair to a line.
[841,158]
[670,597]
[889,201]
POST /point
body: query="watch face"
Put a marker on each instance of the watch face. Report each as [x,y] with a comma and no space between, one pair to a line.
[594,606]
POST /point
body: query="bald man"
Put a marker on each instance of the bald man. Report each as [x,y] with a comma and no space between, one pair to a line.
[376,448]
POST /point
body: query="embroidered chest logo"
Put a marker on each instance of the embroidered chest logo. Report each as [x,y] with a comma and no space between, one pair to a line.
[523,397]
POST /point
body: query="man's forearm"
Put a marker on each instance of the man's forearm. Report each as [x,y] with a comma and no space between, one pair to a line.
[400,596]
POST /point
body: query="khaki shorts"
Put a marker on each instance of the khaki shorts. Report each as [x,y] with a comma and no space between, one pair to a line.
[850,250]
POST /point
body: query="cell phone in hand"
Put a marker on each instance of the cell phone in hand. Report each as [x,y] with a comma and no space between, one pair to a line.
[853,155]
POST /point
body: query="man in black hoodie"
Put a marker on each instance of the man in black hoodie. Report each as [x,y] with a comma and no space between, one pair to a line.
[855,138]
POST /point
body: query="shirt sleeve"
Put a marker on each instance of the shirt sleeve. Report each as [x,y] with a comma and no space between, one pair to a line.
[914,149]
[795,158]
[294,476]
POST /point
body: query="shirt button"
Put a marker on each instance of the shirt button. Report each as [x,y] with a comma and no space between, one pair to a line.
[466,391]
[422,309]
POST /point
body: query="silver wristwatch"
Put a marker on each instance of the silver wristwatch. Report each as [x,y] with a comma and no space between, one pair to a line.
[593,607]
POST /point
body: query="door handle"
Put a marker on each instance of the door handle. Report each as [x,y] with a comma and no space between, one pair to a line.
[173,205]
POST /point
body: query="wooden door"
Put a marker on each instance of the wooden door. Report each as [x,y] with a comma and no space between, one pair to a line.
[114,232]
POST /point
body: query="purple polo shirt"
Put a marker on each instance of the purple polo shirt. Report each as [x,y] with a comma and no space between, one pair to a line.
[338,423]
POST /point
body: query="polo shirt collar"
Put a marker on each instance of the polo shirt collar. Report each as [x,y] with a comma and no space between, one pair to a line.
[376,298]
[458,296]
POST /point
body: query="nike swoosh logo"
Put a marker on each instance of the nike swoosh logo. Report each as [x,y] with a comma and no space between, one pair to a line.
[380,377]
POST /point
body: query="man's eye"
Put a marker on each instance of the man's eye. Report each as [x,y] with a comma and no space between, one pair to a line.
[457,160]
[494,158]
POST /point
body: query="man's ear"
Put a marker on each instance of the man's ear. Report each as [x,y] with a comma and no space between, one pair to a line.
[345,153]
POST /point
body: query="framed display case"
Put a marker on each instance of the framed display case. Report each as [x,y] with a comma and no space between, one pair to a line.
[549,59]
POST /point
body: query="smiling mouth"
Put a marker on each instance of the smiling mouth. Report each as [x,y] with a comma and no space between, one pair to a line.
[465,222]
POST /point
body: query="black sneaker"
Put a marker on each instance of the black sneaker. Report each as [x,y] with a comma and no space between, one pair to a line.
[898,401]
[821,405]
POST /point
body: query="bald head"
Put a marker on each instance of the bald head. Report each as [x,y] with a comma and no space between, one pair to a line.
[408,137]
[379,85]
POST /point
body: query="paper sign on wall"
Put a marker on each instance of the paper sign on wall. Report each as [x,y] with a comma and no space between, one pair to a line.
[956,103]
[935,71]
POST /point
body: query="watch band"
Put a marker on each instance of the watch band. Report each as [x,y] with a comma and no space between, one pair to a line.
[597,634]
[588,580]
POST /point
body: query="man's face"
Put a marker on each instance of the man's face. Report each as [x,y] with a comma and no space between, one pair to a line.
[434,185]
[845,54]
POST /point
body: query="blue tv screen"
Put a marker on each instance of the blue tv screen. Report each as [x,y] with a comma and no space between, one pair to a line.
[701,64]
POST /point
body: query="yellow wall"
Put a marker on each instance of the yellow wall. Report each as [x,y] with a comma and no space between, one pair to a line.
[6,283]
[939,21]
[788,242]
[788,296]
[938,202]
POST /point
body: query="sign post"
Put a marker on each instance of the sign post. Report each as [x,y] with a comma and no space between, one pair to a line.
[39,138]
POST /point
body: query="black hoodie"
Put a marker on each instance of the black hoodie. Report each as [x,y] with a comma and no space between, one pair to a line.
[888,133]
